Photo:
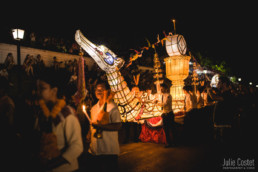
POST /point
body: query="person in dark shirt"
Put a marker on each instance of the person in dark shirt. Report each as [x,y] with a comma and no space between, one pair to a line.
[226,106]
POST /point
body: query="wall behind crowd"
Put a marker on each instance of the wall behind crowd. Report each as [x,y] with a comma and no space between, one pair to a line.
[46,55]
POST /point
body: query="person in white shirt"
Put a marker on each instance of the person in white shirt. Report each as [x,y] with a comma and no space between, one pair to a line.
[106,121]
[58,125]
[168,116]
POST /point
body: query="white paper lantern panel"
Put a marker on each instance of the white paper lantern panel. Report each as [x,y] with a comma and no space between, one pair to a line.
[175,45]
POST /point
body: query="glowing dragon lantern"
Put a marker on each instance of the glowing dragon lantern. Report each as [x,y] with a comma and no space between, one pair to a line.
[177,68]
[130,107]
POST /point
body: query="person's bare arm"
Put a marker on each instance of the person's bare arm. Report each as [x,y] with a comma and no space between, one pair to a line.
[108,127]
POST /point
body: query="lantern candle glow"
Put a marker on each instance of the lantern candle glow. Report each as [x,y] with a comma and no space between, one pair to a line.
[85,112]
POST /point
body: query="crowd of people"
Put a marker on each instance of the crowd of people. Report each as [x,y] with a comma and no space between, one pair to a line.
[31,63]
[42,130]
[47,42]
[48,131]
[30,118]
[227,111]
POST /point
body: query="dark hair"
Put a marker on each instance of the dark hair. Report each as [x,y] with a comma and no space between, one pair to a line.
[104,83]
[70,90]
[224,79]
[187,88]
[55,78]
[4,83]
[164,86]
[149,86]
[201,89]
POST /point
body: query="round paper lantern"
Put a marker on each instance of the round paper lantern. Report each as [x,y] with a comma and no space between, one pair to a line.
[214,81]
[175,45]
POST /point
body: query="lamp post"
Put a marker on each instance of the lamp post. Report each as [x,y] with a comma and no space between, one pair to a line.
[18,35]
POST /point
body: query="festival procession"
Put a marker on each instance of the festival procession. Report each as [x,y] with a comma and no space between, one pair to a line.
[79,105]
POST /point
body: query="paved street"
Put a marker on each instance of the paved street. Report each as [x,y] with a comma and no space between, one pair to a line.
[152,157]
[140,157]
[193,154]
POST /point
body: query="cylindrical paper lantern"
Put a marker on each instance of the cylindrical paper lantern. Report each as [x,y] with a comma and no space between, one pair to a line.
[175,45]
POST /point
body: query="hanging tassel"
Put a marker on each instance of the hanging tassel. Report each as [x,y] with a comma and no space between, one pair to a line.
[81,93]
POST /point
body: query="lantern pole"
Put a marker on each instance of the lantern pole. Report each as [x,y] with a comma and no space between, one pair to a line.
[174,22]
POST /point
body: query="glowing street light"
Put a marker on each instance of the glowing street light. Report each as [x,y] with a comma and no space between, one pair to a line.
[18,35]
[239,79]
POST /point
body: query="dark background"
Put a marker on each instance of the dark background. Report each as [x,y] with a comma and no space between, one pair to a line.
[218,30]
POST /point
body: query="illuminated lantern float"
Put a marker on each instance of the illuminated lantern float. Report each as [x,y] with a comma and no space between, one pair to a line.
[177,68]
[129,105]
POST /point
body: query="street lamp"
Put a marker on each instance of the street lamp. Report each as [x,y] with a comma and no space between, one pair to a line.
[18,35]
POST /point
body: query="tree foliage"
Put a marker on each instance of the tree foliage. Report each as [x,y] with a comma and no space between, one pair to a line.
[220,66]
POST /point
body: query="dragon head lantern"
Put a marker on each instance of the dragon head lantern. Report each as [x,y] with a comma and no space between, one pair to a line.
[129,104]
[104,57]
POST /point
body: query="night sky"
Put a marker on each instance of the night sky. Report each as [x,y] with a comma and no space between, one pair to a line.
[217,30]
